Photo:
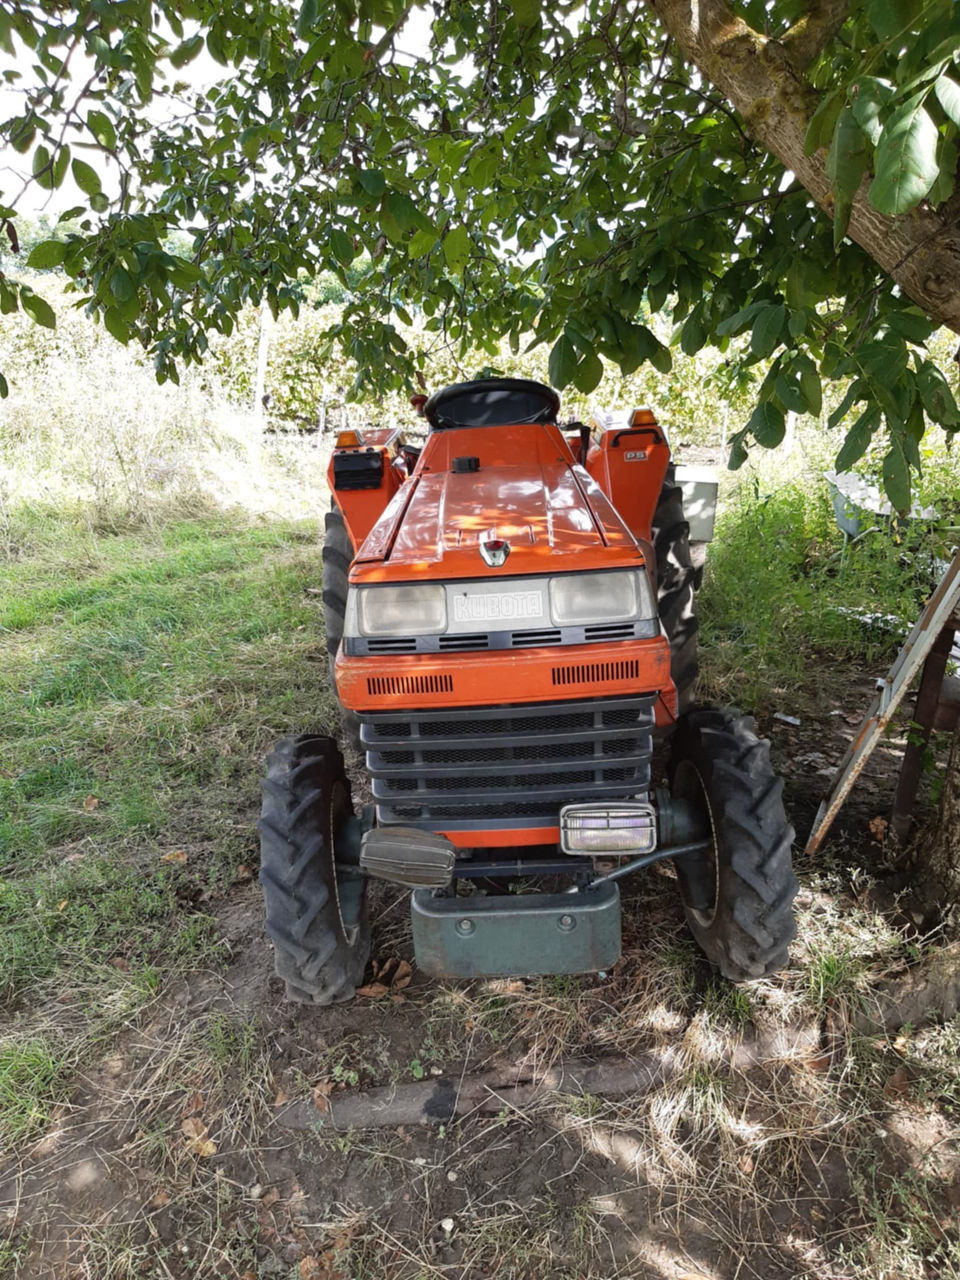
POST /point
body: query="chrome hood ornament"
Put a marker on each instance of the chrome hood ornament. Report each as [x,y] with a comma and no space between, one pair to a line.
[493,549]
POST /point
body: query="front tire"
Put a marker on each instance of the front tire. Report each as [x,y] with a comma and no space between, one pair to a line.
[337,555]
[677,581]
[315,905]
[738,897]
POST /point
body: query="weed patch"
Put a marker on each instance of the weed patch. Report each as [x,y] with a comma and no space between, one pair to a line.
[32,1081]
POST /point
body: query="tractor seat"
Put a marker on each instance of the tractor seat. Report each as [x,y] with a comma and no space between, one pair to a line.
[491,402]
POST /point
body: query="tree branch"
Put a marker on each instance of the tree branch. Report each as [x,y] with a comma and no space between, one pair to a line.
[810,35]
[920,250]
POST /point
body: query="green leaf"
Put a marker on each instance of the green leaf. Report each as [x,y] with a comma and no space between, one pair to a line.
[892,18]
[855,391]
[883,360]
[896,477]
[790,395]
[526,12]
[767,425]
[846,164]
[869,96]
[767,328]
[421,242]
[86,177]
[661,359]
[121,286]
[694,334]
[8,297]
[911,323]
[39,311]
[588,372]
[637,344]
[943,188]
[184,274]
[810,386]
[822,122]
[115,325]
[187,51]
[48,253]
[562,363]
[948,95]
[936,396]
[307,18]
[738,453]
[42,168]
[99,203]
[858,439]
[372,181]
[21,139]
[405,212]
[456,249]
[101,126]
[342,246]
[4,389]
[740,320]
[906,159]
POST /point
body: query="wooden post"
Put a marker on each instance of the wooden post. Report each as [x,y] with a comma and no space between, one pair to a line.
[928,699]
[263,351]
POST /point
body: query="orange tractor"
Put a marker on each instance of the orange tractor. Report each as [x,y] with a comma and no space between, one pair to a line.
[510,622]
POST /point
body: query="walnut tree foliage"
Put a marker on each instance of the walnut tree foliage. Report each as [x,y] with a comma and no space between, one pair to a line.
[564,171]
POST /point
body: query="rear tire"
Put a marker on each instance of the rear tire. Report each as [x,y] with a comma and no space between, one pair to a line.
[738,898]
[316,912]
[337,556]
[677,582]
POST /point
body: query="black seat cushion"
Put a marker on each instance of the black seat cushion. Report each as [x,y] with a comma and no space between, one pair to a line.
[492,402]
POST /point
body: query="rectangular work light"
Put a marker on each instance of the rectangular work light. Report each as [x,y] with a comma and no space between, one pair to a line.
[609,828]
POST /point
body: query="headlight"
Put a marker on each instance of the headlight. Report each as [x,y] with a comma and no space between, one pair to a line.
[410,610]
[579,599]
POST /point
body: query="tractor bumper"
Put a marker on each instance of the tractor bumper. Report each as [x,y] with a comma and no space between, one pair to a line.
[517,935]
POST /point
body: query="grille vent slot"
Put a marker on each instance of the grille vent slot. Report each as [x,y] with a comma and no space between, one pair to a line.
[594,672]
[609,631]
[384,686]
[478,640]
[401,644]
[523,639]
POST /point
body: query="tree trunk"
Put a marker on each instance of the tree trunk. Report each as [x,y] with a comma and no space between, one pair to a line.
[763,80]
[942,856]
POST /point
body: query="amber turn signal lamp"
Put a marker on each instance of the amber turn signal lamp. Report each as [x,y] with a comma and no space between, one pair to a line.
[349,440]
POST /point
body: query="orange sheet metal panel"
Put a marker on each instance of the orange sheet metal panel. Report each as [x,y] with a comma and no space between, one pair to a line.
[503,839]
[362,508]
[526,490]
[629,464]
[503,677]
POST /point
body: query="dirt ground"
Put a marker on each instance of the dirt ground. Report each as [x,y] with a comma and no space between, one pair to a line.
[168,1159]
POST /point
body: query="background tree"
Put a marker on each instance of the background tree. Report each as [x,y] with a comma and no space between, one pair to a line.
[565,171]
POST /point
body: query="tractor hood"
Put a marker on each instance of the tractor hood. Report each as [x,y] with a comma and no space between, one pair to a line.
[550,511]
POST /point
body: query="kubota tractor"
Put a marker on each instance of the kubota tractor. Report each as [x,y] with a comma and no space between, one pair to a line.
[510,622]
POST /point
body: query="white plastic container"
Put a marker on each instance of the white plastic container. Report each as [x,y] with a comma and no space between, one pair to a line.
[699,485]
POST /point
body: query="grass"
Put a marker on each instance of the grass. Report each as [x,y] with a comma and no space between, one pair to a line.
[782,601]
[147,678]
[142,679]
[32,1081]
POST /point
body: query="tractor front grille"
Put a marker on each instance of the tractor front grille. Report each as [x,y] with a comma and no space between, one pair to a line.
[506,767]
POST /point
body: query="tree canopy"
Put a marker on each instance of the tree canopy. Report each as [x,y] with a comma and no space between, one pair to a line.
[785,170]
